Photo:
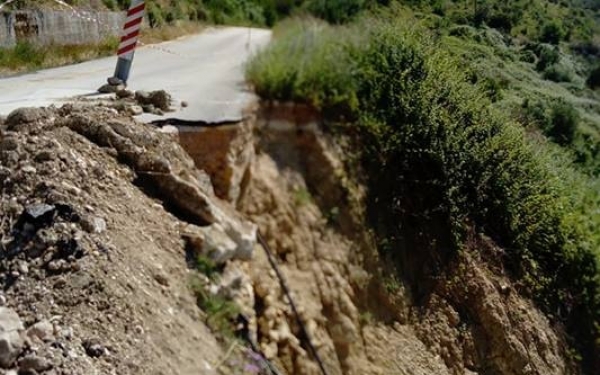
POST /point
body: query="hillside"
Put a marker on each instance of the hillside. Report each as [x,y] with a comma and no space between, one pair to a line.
[416,193]
[465,120]
[119,257]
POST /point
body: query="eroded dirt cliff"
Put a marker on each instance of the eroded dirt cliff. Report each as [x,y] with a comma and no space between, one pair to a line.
[359,313]
[102,219]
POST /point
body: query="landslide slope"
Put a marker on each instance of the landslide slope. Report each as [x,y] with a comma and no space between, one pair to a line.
[86,256]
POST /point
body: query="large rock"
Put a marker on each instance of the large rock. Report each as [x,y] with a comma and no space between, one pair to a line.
[159,99]
[221,241]
[11,342]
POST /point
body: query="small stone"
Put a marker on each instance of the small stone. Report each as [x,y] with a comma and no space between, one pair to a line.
[74,190]
[9,144]
[60,283]
[142,96]
[94,225]
[29,169]
[44,156]
[505,289]
[93,348]
[2,300]
[67,333]
[148,108]
[110,89]
[23,268]
[135,110]
[107,88]
[57,265]
[33,362]
[161,279]
[43,330]
[11,342]
[184,104]
[122,94]
[139,330]
[39,213]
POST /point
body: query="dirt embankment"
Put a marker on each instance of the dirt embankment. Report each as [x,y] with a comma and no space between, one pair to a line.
[360,316]
[96,210]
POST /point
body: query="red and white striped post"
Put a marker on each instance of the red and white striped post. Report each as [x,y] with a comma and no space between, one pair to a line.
[131,32]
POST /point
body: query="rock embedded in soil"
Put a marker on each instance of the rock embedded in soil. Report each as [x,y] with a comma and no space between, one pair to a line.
[93,348]
[11,342]
[123,94]
[43,330]
[34,362]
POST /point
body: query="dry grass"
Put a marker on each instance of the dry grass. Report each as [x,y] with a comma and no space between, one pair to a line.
[29,57]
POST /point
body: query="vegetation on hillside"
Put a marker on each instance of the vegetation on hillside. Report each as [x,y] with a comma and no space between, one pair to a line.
[443,159]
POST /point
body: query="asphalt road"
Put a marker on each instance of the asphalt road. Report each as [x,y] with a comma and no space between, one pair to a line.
[205,70]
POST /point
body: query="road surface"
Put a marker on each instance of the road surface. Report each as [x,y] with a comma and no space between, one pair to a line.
[205,70]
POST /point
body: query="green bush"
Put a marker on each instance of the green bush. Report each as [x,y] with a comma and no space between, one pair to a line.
[564,121]
[593,80]
[547,55]
[557,119]
[527,56]
[557,73]
[336,11]
[552,32]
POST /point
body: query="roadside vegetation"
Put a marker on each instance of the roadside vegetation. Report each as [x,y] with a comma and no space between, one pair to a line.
[457,134]
[27,56]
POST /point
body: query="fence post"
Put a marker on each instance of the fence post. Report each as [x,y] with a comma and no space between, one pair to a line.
[129,39]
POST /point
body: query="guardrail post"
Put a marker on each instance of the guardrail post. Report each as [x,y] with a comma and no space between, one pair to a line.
[129,39]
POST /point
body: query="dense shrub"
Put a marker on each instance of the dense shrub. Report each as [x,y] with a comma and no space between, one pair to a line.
[336,11]
[557,73]
[552,32]
[527,56]
[557,119]
[564,120]
[593,80]
[547,55]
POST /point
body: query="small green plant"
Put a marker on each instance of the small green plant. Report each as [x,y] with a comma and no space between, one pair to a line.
[302,196]
[220,312]
[365,318]
[206,266]
[392,284]
[332,215]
